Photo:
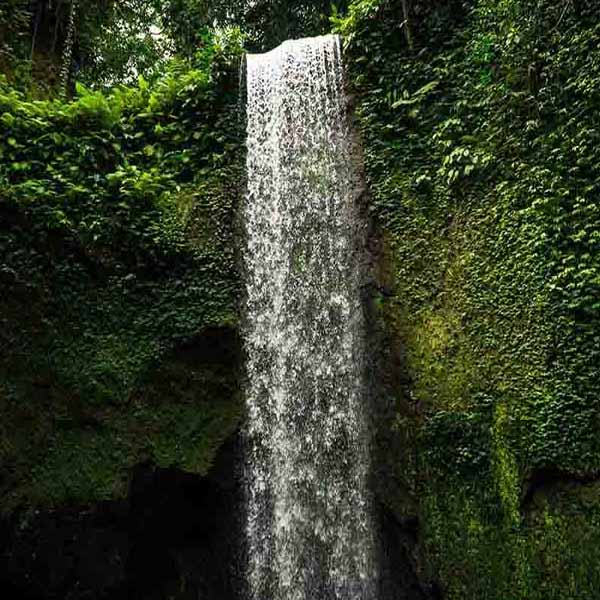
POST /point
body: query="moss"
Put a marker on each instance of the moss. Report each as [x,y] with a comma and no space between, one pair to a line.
[551,555]
[116,259]
[59,447]
[506,470]
[484,191]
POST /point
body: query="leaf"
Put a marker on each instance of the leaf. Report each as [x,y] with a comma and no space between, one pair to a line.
[418,96]
[8,119]
[81,89]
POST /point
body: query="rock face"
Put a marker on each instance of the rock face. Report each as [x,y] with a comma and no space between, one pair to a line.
[176,535]
[487,290]
[398,560]
[116,347]
[118,358]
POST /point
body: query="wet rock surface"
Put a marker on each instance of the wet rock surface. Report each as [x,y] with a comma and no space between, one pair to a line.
[175,536]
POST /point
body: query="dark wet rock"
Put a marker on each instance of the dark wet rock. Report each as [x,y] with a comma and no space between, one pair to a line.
[400,560]
[176,536]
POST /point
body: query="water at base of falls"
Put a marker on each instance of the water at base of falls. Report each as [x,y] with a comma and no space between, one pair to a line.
[309,529]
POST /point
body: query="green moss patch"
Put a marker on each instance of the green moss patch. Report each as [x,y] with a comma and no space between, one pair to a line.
[116,253]
[480,126]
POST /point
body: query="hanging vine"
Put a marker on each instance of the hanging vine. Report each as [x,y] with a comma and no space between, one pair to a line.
[67,56]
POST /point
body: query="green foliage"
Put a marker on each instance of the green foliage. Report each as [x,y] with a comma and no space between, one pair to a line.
[480,125]
[14,18]
[553,555]
[121,40]
[264,23]
[116,246]
[267,23]
[115,41]
[118,40]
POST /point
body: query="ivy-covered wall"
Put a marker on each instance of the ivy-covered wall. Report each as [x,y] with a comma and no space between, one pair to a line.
[481,130]
[480,121]
[118,281]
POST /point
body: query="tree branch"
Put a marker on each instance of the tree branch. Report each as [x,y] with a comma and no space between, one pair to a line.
[407,32]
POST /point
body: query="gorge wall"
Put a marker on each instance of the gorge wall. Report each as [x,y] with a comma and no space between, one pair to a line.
[480,128]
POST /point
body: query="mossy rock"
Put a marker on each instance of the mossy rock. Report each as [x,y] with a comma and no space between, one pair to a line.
[59,449]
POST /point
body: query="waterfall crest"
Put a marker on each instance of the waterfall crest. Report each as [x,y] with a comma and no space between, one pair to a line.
[309,529]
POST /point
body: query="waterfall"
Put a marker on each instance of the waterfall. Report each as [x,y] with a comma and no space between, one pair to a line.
[309,529]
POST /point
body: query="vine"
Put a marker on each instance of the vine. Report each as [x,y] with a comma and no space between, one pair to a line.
[481,136]
[67,55]
[116,256]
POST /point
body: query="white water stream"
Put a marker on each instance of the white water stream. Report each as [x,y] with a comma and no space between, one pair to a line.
[309,527]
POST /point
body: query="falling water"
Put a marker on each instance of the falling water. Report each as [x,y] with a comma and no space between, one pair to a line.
[309,530]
